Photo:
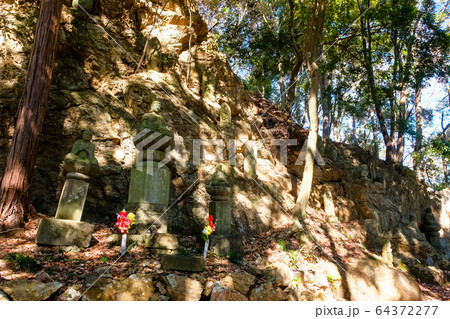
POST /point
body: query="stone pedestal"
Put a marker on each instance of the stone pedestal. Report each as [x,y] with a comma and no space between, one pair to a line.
[149,183]
[60,232]
[224,245]
[221,211]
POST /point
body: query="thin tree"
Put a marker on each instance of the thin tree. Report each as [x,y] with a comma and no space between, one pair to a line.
[15,198]
[312,52]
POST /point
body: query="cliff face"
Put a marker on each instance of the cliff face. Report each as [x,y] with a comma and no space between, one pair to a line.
[96,85]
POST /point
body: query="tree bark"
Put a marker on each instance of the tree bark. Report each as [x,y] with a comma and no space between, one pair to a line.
[419,128]
[402,118]
[367,52]
[325,98]
[314,38]
[15,199]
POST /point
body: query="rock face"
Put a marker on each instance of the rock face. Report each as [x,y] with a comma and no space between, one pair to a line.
[183,263]
[221,293]
[370,280]
[29,289]
[137,287]
[181,288]
[239,281]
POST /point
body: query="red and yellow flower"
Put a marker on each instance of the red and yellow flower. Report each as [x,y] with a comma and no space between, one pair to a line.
[124,221]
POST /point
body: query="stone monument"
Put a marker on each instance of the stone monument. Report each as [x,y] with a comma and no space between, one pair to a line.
[223,241]
[208,86]
[66,229]
[148,196]
[250,159]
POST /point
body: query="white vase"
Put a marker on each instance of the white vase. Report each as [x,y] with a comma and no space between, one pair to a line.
[205,250]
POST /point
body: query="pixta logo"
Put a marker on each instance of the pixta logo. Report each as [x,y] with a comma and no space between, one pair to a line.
[154,149]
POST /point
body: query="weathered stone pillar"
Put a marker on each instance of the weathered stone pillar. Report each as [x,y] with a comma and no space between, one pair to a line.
[66,229]
[148,196]
[223,241]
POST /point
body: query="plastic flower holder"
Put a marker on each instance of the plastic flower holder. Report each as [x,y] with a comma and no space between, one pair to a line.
[124,222]
[208,230]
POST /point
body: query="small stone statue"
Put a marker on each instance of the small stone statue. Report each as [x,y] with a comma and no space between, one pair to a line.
[81,159]
[153,54]
[364,172]
[431,229]
[225,116]
[208,86]
[153,122]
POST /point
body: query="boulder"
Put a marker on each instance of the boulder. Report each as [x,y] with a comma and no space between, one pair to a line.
[266,292]
[86,4]
[72,293]
[3,296]
[239,281]
[163,244]
[280,274]
[221,293]
[137,287]
[183,263]
[29,289]
[370,280]
[329,274]
[182,288]
[61,232]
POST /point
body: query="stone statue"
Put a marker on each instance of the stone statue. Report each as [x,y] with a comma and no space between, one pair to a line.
[431,229]
[153,54]
[208,86]
[153,122]
[81,159]
[364,172]
[225,116]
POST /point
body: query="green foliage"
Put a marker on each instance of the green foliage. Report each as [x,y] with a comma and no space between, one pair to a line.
[24,263]
[297,282]
[283,245]
[105,259]
[334,281]
[295,259]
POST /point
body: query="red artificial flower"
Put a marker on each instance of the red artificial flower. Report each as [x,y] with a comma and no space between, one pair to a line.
[123,222]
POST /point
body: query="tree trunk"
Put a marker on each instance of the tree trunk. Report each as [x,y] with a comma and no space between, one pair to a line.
[15,199]
[326,103]
[401,128]
[292,85]
[419,128]
[314,38]
[368,65]
[282,87]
